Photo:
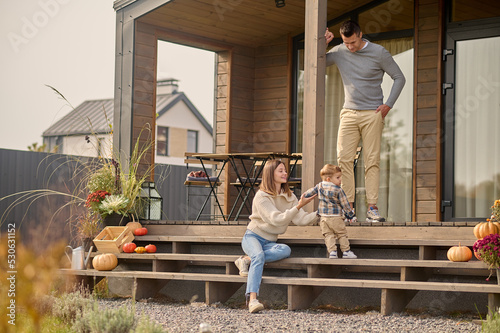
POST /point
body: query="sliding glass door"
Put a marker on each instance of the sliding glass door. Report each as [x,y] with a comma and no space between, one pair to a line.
[471,121]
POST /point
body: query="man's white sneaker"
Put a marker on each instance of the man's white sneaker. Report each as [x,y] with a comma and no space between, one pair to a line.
[242,264]
[372,215]
[349,255]
[255,306]
[333,255]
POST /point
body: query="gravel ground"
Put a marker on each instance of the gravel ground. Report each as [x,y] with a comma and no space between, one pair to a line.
[188,318]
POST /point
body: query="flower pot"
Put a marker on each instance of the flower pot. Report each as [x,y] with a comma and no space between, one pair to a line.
[87,242]
[115,220]
[498,276]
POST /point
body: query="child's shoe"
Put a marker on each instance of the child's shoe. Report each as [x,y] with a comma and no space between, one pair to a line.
[333,255]
[372,215]
[349,255]
[353,220]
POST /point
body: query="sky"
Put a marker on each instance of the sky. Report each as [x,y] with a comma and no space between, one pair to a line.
[70,45]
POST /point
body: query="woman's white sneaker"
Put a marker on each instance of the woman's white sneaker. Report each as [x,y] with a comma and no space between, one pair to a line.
[255,306]
[242,264]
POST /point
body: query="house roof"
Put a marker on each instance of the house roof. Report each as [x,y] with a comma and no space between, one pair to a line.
[247,23]
[96,116]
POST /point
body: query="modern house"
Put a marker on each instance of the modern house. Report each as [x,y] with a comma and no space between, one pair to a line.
[180,127]
[440,170]
[439,161]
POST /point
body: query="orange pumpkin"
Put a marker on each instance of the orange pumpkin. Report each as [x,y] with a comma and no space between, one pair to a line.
[140,249]
[486,228]
[105,262]
[459,253]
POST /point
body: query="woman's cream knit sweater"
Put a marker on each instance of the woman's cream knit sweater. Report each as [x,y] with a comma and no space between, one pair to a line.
[271,215]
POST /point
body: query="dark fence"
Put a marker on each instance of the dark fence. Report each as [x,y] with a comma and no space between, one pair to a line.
[31,184]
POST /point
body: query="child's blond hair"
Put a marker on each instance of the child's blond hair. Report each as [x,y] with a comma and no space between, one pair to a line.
[329,170]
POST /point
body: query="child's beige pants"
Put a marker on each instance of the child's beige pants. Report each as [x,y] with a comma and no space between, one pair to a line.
[355,125]
[332,228]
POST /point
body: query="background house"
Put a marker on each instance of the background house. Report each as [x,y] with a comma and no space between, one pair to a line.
[180,128]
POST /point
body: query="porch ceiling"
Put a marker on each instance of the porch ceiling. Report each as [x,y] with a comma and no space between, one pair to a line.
[248,23]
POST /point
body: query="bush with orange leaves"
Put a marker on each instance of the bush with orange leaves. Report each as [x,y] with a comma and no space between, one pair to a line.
[25,279]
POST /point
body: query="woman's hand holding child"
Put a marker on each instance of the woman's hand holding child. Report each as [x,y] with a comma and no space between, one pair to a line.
[304,201]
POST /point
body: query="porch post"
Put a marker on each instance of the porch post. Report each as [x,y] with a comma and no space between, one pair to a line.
[314,93]
[124,71]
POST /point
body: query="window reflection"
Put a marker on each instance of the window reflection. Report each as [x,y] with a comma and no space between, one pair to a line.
[477,117]
[397,139]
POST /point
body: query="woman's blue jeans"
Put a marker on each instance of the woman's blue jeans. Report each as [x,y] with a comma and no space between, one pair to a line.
[260,250]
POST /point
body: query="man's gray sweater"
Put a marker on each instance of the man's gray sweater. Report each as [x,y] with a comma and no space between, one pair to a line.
[362,73]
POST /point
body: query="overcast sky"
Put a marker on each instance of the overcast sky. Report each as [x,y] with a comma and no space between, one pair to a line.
[70,45]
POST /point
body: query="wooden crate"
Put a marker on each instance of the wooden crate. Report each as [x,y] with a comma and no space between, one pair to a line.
[111,239]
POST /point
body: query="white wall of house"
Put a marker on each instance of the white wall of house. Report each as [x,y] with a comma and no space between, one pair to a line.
[77,145]
[179,119]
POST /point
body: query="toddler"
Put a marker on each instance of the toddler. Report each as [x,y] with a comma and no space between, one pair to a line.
[332,201]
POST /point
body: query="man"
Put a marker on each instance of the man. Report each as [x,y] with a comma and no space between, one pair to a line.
[362,65]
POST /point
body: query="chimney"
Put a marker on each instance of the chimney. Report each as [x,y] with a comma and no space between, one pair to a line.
[167,86]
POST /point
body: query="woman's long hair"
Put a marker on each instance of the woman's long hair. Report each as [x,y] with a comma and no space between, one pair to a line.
[267,184]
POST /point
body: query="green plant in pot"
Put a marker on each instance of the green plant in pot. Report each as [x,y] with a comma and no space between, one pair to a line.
[114,188]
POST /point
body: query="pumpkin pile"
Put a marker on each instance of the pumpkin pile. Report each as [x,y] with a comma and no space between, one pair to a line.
[131,247]
[109,261]
[484,229]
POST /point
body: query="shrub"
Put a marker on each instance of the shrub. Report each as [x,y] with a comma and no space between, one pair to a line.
[146,325]
[95,320]
[69,306]
[492,323]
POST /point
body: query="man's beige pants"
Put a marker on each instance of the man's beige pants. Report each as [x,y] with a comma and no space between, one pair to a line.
[332,228]
[355,125]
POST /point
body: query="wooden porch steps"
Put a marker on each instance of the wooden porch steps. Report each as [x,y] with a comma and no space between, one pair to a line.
[426,239]
[400,282]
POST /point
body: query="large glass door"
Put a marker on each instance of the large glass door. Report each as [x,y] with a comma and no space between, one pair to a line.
[471,121]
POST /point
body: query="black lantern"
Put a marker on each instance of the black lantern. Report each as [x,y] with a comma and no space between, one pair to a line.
[151,201]
[280,3]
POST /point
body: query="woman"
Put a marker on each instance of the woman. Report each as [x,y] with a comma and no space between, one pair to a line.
[274,207]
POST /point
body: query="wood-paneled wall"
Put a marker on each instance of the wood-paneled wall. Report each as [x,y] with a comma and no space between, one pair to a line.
[253,103]
[427,118]
[272,97]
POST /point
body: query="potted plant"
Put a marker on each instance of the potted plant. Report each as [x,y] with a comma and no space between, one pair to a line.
[488,250]
[487,247]
[495,212]
[114,191]
[88,226]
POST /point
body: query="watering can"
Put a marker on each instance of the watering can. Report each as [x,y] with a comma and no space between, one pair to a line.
[77,259]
